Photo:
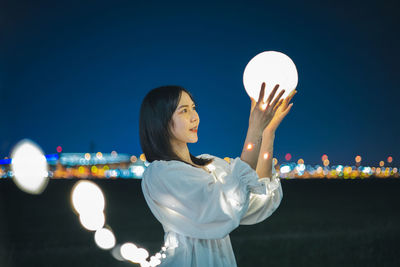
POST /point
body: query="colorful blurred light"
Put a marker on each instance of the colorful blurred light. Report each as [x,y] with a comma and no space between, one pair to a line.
[133,159]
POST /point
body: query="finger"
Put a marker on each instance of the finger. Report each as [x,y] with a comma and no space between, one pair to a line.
[292,95]
[271,95]
[288,109]
[262,91]
[278,105]
[277,98]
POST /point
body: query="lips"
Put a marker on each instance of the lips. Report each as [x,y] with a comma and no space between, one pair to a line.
[194,129]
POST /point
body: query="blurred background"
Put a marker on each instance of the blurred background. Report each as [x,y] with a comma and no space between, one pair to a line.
[73,75]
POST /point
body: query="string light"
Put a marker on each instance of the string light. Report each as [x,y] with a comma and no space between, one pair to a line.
[249,146]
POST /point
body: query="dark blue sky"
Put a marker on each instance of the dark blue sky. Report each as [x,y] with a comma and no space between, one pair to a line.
[72,73]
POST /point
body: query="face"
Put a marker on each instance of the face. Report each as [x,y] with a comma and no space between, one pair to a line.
[185,118]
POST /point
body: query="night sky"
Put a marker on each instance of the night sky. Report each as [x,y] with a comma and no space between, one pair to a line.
[74,73]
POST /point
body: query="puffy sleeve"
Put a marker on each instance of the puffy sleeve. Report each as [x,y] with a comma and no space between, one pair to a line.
[192,202]
[261,206]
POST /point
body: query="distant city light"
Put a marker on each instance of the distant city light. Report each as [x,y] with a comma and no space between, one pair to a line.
[285,169]
[59,149]
[389,159]
[133,159]
[326,162]
[227,159]
[324,157]
[288,156]
[358,159]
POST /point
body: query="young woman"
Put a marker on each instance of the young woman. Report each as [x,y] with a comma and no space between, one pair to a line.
[200,200]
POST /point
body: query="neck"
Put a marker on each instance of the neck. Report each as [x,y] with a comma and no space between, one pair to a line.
[182,151]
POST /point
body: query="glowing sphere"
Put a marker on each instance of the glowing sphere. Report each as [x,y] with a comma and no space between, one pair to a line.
[92,221]
[29,166]
[88,198]
[272,68]
[104,238]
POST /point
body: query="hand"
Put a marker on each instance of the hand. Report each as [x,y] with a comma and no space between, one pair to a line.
[282,109]
[262,113]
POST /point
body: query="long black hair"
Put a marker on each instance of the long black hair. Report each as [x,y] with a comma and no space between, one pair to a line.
[156,112]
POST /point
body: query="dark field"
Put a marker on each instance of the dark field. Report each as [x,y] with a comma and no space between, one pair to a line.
[319,223]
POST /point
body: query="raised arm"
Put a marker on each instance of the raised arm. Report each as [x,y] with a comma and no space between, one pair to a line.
[264,163]
[260,116]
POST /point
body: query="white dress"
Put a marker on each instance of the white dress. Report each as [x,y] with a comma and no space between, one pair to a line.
[198,209]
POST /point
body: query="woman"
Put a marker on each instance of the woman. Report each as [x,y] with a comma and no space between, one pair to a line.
[200,200]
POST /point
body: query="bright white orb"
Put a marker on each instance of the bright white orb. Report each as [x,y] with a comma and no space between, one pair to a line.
[29,166]
[272,68]
[134,254]
[104,238]
[87,197]
[128,250]
[92,221]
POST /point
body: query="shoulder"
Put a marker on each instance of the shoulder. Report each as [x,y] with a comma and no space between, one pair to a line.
[219,162]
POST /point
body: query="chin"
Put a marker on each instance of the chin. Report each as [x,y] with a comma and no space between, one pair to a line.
[193,140]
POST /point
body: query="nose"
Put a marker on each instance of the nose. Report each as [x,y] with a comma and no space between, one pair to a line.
[195,116]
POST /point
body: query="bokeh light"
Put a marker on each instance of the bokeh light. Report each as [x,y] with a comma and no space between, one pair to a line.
[29,167]
[87,198]
[133,159]
[92,221]
[249,146]
[104,238]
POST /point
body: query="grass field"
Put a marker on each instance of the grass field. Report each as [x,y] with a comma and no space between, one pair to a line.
[319,223]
